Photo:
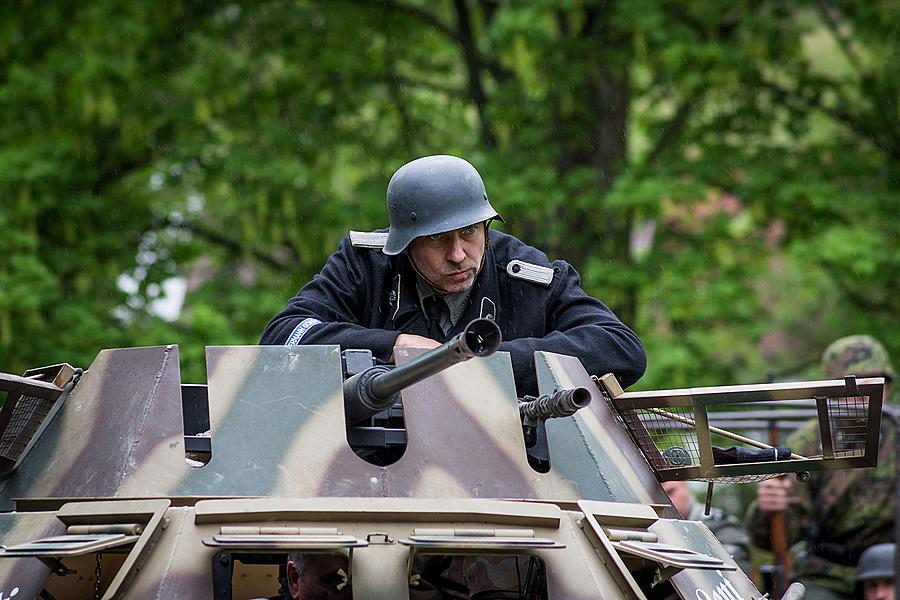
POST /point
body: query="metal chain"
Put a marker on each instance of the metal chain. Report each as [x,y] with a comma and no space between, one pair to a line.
[97,579]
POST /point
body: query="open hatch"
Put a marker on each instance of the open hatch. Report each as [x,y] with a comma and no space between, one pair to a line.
[477,563]
[252,560]
[659,558]
[102,545]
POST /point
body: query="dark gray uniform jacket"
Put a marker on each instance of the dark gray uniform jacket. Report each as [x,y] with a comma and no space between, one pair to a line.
[363,298]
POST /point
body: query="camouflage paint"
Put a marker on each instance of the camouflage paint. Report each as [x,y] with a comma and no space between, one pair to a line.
[378,571]
[695,583]
[277,428]
[125,406]
[276,420]
[26,574]
[583,448]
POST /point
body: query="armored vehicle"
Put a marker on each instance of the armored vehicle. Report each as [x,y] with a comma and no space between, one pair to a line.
[301,472]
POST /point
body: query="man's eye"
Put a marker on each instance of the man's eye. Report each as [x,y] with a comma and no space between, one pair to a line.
[470,230]
[435,236]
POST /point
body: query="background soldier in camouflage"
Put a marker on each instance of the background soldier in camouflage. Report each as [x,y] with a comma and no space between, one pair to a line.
[728,529]
[837,514]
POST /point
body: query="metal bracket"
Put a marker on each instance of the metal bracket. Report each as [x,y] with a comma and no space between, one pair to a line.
[386,539]
[56,566]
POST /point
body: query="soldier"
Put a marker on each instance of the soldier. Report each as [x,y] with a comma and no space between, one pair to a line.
[728,529]
[436,268]
[875,572]
[837,513]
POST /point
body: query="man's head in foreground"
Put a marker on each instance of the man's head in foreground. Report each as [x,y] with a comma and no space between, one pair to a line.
[318,577]
[875,572]
[439,213]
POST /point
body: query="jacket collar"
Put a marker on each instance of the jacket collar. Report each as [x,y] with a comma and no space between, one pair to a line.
[482,302]
[404,299]
[483,299]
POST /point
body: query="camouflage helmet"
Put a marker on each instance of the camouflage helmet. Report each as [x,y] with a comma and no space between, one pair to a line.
[877,562]
[860,355]
[431,195]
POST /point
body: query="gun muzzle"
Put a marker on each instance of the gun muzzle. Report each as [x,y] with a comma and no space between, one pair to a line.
[376,389]
[561,403]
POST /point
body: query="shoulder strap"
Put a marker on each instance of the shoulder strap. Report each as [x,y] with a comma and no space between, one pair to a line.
[519,269]
[368,239]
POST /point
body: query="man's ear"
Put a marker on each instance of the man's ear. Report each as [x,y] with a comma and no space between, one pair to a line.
[293,580]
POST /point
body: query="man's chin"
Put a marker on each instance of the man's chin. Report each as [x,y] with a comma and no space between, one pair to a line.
[454,287]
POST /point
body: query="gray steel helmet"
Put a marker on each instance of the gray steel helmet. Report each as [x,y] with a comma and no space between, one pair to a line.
[877,562]
[431,195]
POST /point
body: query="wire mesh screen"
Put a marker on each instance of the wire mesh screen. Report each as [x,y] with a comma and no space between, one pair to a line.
[741,444]
[27,416]
[674,440]
[669,438]
[847,420]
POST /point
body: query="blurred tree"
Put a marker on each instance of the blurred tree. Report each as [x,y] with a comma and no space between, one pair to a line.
[721,173]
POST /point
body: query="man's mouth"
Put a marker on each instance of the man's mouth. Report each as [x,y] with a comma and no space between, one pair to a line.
[459,275]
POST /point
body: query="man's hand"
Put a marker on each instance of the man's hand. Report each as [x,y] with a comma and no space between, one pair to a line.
[774,495]
[409,340]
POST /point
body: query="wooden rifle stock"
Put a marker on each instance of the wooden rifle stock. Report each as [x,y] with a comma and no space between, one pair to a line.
[779,539]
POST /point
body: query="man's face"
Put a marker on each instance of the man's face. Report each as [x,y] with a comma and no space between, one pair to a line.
[878,589]
[449,261]
[680,495]
[322,575]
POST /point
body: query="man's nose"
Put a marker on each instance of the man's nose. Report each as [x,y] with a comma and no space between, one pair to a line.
[456,252]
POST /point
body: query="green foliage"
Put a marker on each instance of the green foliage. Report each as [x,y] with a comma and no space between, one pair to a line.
[723,174]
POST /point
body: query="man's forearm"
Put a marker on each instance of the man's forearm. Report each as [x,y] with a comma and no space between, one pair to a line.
[346,335]
[623,356]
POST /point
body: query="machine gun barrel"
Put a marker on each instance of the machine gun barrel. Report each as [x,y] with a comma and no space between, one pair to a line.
[561,403]
[377,388]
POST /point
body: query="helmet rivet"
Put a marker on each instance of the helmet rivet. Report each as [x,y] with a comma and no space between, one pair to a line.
[393,205]
[413,216]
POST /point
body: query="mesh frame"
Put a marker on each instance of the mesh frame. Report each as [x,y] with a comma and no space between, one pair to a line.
[848,424]
[27,415]
[31,401]
[671,427]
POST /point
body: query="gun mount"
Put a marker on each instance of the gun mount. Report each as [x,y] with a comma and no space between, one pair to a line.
[377,388]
